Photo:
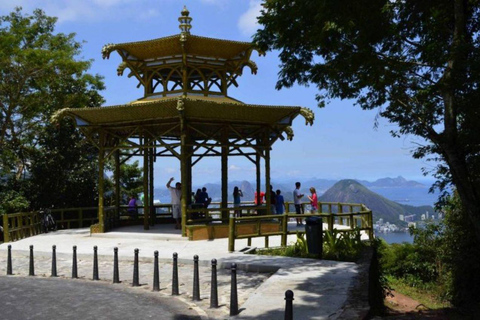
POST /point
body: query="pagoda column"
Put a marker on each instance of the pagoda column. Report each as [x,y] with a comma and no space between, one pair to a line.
[146,193]
[101,182]
[117,186]
[183,171]
[224,157]
[257,167]
[266,146]
[152,191]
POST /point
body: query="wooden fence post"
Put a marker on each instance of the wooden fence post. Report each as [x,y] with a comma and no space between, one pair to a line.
[6,229]
[231,235]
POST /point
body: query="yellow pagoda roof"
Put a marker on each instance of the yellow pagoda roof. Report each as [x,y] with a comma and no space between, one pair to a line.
[173,46]
[204,111]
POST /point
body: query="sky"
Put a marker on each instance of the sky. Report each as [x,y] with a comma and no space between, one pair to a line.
[342,143]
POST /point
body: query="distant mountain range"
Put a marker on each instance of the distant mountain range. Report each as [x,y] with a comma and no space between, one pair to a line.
[351,191]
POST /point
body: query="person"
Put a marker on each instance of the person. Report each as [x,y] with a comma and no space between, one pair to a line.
[204,198]
[198,195]
[132,207]
[237,194]
[297,200]
[262,196]
[313,200]
[273,201]
[176,193]
[280,203]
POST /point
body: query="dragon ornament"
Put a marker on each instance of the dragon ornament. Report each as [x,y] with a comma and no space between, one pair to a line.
[107,49]
[308,115]
[181,103]
[289,132]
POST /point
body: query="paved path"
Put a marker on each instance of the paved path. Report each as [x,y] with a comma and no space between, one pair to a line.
[52,298]
[320,286]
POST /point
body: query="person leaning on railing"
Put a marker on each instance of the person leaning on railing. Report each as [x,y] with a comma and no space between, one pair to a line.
[297,200]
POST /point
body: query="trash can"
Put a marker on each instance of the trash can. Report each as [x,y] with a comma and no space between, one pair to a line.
[313,231]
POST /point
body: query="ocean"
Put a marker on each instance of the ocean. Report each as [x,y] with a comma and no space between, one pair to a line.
[395,237]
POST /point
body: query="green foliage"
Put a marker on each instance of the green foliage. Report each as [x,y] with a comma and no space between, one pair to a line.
[342,246]
[460,256]
[64,169]
[40,72]
[443,260]
[417,61]
[12,201]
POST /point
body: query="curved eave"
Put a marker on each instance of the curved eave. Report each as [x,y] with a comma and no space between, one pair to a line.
[172,46]
[194,110]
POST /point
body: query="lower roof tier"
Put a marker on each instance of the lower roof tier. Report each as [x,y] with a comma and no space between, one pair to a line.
[206,113]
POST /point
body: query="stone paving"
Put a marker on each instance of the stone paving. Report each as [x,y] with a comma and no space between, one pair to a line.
[247,282]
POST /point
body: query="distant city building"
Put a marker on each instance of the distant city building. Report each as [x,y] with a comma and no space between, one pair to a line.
[401,217]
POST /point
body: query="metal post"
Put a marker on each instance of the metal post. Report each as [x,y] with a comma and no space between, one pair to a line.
[289,305]
[233,291]
[175,275]
[95,263]
[156,277]
[31,271]
[74,263]
[196,280]
[54,261]
[116,277]
[213,287]
[9,261]
[136,282]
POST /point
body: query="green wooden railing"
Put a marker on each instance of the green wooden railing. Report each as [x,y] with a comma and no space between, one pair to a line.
[348,215]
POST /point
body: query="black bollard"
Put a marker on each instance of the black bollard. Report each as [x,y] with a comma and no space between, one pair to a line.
[156,277]
[175,275]
[233,291]
[95,263]
[136,282]
[31,271]
[9,261]
[196,280]
[213,287]
[289,305]
[74,263]
[116,277]
[54,261]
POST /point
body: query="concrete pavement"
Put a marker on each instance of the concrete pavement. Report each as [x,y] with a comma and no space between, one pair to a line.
[320,287]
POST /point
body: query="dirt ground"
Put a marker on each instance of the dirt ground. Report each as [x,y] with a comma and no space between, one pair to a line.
[404,308]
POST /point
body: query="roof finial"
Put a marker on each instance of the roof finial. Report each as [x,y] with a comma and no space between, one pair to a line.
[185,21]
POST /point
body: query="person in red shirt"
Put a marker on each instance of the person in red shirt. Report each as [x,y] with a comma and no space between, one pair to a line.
[313,200]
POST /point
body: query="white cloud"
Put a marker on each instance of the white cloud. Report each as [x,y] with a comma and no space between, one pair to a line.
[234,167]
[248,21]
[87,10]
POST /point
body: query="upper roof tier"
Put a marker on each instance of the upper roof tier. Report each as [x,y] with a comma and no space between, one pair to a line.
[184,63]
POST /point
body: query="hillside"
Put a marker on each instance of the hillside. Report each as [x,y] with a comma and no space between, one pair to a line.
[351,191]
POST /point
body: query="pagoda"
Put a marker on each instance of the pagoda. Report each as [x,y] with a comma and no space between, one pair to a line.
[185,113]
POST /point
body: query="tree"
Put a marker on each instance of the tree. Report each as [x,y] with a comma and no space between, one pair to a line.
[64,169]
[39,74]
[417,61]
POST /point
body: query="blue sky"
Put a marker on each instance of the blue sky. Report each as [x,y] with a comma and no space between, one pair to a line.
[341,144]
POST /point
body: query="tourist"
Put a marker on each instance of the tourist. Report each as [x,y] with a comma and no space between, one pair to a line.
[297,200]
[273,201]
[176,194]
[237,194]
[198,196]
[313,200]
[132,207]
[204,198]
[262,196]
[280,203]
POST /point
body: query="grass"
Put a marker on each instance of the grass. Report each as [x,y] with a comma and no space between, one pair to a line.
[426,295]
